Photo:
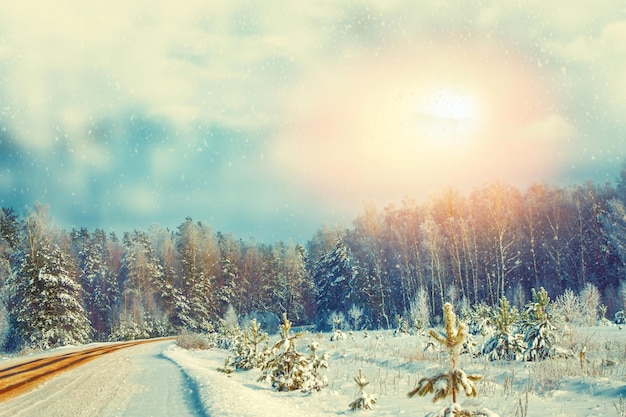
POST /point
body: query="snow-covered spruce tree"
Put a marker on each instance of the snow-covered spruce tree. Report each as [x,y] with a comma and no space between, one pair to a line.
[541,338]
[129,327]
[364,400]
[455,379]
[198,254]
[248,353]
[505,343]
[333,275]
[45,309]
[142,275]
[286,368]
[9,242]
[99,283]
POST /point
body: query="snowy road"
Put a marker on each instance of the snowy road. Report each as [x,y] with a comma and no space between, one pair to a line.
[137,381]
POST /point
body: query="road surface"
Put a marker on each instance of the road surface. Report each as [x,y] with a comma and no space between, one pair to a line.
[136,381]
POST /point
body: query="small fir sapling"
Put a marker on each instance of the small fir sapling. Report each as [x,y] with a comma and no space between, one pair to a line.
[541,338]
[229,332]
[364,401]
[226,369]
[287,369]
[479,319]
[284,360]
[504,343]
[402,328]
[248,353]
[603,320]
[313,379]
[337,319]
[455,379]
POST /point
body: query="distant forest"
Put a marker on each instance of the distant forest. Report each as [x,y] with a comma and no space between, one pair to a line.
[60,287]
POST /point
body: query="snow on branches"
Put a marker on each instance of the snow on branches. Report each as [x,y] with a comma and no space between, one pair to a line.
[289,370]
[447,384]
[363,401]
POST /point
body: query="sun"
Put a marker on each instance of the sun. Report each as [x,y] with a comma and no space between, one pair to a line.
[423,118]
[449,105]
[447,117]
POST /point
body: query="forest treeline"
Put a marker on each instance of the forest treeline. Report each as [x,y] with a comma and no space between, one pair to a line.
[60,287]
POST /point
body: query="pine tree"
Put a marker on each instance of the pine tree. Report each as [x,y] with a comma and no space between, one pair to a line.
[336,320]
[363,400]
[228,278]
[170,300]
[541,338]
[9,241]
[284,368]
[45,308]
[313,378]
[199,256]
[248,354]
[229,332]
[142,272]
[287,369]
[295,279]
[504,342]
[355,313]
[332,278]
[455,379]
[97,280]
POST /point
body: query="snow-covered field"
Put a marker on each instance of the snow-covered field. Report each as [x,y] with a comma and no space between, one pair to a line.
[163,379]
[394,364]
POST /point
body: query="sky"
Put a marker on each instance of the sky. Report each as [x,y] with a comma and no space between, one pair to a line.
[269,120]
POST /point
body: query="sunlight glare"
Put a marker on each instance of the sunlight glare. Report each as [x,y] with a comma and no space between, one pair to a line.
[448,118]
[450,105]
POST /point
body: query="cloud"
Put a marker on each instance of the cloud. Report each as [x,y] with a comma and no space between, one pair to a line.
[75,64]
[156,110]
[553,128]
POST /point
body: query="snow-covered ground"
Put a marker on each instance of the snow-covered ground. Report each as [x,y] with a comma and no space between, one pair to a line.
[163,379]
[394,365]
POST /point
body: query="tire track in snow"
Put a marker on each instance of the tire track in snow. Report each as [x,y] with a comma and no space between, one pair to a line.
[193,391]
